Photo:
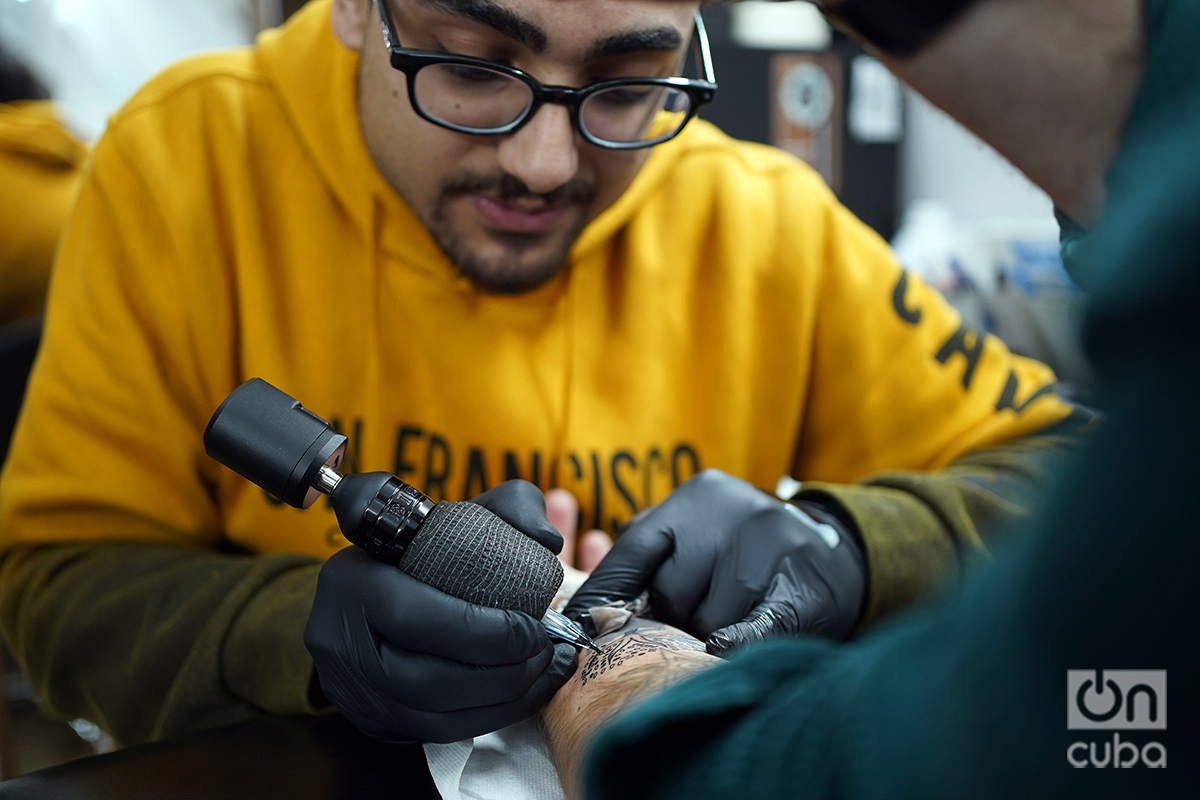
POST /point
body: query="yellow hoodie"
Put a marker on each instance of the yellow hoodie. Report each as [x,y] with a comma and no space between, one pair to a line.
[39,170]
[726,312]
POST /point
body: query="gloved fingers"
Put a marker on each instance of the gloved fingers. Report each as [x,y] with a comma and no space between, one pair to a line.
[434,622]
[833,568]
[401,702]
[455,726]
[826,605]
[522,505]
[415,616]
[808,595]
[757,556]
[348,569]
[560,669]
[370,712]
[625,572]
[680,586]
[799,600]
[764,622]
[424,682]
[800,592]
[700,518]
[771,586]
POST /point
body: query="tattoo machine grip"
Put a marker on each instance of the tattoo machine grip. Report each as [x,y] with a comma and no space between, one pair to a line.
[461,548]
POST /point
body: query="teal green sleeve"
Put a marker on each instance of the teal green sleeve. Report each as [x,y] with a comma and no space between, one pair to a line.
[154,641]
[964,697]
[967,697]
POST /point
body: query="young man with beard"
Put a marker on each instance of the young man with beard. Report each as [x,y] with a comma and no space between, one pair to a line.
[395,212]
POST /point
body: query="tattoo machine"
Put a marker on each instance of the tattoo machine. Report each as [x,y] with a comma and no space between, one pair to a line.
[463,549]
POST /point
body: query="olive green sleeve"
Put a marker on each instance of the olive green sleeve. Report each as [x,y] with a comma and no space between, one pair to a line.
[153,641]
[919,528]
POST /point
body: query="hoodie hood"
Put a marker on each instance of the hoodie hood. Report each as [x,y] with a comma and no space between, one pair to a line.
[33,128]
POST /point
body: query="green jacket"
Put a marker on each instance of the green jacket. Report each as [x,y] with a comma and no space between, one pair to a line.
[965,698]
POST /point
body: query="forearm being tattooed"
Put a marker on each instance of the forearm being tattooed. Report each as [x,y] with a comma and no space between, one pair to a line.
[638,661]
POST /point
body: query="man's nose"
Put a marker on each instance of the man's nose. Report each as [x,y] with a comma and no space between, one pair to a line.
[544,153]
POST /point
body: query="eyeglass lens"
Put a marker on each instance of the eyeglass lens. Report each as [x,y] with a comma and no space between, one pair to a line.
[484,99]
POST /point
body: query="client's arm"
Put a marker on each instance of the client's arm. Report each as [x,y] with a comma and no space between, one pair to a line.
[638,661]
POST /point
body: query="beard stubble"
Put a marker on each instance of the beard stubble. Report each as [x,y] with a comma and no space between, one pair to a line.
[515,270]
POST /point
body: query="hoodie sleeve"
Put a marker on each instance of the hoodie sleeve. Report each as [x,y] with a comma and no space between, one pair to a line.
[153,641]
[162,634]
[922,432]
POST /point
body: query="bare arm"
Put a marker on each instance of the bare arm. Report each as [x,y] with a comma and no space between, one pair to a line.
[1048,83]
[638,661]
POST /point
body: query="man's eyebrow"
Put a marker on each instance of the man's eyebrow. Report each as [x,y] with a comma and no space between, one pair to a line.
[665,38]
[494,16]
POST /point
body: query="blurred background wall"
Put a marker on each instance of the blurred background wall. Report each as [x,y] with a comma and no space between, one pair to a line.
[93,54]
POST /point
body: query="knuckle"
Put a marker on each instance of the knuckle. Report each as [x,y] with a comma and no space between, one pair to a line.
[519,491]
[707,479]
[523,487]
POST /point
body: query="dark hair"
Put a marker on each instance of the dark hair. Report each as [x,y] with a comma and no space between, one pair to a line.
[17,82]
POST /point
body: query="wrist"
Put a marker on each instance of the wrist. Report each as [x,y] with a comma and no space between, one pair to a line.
[637,662]
[826,510]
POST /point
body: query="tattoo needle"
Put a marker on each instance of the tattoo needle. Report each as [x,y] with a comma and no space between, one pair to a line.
[562,628]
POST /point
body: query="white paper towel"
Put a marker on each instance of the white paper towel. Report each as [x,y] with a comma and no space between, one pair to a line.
[512,763]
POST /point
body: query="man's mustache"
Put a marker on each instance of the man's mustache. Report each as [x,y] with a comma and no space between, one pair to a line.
[505,186]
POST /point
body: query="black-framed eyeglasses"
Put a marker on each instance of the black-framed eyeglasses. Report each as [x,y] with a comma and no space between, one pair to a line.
[473,95]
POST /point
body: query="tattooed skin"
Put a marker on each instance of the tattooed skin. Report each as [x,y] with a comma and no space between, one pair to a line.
[633,642]
[641,659]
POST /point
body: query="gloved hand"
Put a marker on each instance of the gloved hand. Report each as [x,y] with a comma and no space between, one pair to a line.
[404,661]
[522,505]
[731,564]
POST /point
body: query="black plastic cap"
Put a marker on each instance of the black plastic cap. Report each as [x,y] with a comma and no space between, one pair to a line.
[351,499]
[267,437]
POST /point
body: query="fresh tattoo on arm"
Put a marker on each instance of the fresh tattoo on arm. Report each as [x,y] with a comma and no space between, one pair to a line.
[639,638]
[636,662]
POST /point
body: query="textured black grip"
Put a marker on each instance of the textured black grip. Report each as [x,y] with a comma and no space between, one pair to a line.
[467,551]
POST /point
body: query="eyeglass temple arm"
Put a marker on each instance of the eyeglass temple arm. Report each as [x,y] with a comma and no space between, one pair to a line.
[385,23]
[705,53]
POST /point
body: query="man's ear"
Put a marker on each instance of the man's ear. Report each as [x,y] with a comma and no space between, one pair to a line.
[350,22]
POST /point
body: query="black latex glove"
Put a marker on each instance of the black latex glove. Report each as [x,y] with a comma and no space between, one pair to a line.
[522,505]
[731,565]
[404,661]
